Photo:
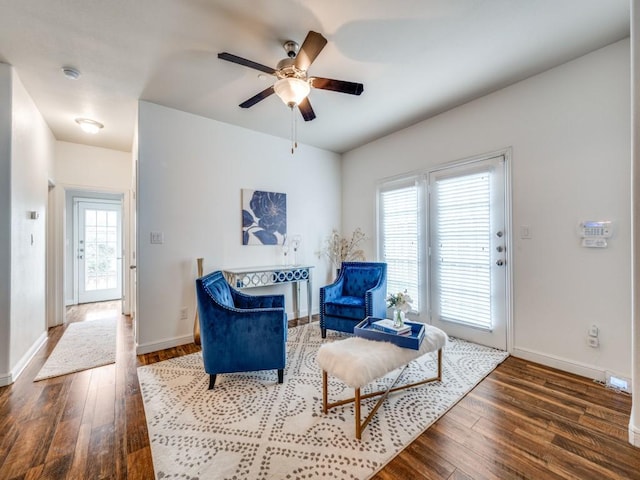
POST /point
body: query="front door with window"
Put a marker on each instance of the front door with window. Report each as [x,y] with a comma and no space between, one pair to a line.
[468,244]
[99,248]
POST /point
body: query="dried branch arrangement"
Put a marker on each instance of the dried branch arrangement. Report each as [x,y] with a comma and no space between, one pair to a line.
[342,249]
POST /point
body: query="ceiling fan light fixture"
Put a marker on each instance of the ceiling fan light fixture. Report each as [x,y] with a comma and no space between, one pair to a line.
[292,90]
[89,126]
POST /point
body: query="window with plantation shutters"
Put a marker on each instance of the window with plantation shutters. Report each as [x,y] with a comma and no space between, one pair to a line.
[444,234]
[463,237]
[400,226]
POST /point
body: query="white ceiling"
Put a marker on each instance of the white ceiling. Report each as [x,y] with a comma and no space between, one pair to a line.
[416,58]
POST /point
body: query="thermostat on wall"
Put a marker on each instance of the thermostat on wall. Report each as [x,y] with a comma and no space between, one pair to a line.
[594,233]
[591,229]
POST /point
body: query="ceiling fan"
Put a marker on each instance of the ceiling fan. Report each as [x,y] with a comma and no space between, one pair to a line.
[293,84]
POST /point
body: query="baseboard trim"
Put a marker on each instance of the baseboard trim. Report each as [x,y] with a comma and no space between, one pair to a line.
[12,376]
[634,436]
[560,363]
[5,379]
[141,349]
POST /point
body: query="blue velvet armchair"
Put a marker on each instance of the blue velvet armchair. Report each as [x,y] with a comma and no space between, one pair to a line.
[240,333]
[359,291]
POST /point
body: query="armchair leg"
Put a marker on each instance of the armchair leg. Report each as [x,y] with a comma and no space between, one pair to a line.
[280,375]
[212,381]
[323,332]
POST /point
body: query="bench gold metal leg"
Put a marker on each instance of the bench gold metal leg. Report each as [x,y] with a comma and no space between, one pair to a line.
[359,427]
[379,402]
[358,397]
[325,389]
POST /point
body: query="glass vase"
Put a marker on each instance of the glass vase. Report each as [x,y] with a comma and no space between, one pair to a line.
[398,318]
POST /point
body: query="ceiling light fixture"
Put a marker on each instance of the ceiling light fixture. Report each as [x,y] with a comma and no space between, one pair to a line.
[292,90]
[89,126]
[71,73]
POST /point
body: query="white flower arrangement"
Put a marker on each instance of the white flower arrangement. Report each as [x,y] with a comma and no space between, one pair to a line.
[401,301]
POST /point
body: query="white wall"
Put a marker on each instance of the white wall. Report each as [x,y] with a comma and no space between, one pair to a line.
[32,147]
[190,174]
[570,133]
[83,166]
[5,221]
[99,172]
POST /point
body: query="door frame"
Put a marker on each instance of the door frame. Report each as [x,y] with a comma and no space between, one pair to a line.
[63,215]
[508,228]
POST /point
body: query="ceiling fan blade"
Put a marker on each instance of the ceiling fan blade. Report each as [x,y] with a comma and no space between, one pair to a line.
[351,88]
[305,109]
[247,63]
[311,47]
[256,98]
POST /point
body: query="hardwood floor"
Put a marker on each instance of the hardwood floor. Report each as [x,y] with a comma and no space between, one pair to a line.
[524,421]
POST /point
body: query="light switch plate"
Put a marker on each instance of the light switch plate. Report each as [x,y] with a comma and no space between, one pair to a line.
[157,237]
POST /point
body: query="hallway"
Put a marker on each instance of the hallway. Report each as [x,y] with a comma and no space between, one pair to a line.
[85,425]
[85,312]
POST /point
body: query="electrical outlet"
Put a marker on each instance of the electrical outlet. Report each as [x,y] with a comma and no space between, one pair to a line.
[619,382]
[184,313]
[593,342]
[593,331]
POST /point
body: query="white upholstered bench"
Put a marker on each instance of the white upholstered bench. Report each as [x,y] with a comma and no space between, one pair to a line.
[358,361]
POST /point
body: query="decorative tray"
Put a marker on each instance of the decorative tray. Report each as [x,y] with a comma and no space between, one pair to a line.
[412,340]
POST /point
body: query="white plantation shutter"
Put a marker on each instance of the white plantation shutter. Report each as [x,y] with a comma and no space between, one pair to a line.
[399,237]
[463,235]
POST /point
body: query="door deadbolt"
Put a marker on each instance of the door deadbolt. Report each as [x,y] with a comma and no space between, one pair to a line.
[500,248]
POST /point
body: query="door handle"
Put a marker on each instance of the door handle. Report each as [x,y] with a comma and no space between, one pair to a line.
[500,263]
[132,267]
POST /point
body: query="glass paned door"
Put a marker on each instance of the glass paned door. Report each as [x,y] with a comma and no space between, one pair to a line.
[468,245]
[99,252]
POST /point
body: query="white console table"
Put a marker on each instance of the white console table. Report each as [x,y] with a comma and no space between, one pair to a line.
[248,277]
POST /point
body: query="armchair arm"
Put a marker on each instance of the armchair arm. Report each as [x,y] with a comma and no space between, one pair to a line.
[332,291]
[243,301]
[375,299]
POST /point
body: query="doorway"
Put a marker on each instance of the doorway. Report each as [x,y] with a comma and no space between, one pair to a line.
[94,250]
[469,248]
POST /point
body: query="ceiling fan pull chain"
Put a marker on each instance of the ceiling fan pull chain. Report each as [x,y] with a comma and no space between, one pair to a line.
[295,128]
[292,130]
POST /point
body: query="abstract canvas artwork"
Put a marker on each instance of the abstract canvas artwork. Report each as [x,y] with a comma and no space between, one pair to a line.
[264,217]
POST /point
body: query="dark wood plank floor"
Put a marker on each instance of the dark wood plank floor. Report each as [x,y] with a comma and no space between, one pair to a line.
[524,421]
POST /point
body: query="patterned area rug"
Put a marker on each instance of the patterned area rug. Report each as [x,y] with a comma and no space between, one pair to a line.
[250,427]
[83,345]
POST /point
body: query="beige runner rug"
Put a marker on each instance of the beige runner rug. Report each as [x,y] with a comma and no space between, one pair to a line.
[83,345]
